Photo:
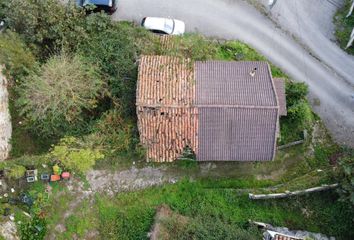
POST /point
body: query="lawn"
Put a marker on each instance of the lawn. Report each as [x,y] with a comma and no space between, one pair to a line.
[130,215]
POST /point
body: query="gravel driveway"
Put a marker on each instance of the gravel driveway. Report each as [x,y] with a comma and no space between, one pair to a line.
[295,35]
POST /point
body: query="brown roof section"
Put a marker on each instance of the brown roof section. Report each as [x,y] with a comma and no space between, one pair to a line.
[236,134]
[165,81]
[167,120]
[231,83]
[280,89]
[284,237]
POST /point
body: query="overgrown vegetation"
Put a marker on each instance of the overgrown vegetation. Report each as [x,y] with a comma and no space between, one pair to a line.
[74,155]
[74,81]
[17,59]
[60,97]
[130,215]
[345,176]
[299,116]
[344,26]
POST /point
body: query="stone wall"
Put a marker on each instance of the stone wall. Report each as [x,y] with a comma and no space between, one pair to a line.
[5,121]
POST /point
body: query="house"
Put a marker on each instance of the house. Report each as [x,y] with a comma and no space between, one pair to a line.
[272,235]
[223,111]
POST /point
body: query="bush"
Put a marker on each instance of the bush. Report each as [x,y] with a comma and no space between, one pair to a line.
[295,92]
[14,54]
[74,155]
[115,133]
[35,229]
[16,171]
[300,116]
[55,99]
[345,176]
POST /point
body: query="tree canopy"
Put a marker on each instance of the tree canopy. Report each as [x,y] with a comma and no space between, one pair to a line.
[56,98]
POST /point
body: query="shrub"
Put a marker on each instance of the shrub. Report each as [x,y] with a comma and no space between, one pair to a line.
[74,155]
[54,100]
[35,229]
[300,116]
[345,176]
[115,133]
[14,54]
[16,171]
[295,92]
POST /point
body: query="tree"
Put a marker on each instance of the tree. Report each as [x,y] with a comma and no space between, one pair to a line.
[74,155]
[15,55]
[108,44]
[57,98]
[45,24]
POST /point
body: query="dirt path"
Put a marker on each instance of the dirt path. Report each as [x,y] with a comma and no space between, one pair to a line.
[128,180]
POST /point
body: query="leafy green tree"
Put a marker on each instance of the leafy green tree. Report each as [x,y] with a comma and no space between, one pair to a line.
[295,92]
[15,55]
[56,98]
[45,23]
[108,44]
[74,155]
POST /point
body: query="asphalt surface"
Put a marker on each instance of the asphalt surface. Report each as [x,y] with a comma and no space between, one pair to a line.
[295,35]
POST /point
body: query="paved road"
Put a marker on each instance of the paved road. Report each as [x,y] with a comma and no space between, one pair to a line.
[312,57]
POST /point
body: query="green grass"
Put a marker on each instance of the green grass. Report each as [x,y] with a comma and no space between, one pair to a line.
[130,215]
[344,26]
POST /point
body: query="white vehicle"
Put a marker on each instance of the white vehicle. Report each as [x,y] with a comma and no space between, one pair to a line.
[163,25]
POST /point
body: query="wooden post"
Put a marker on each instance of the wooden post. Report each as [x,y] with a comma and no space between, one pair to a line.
[289,194]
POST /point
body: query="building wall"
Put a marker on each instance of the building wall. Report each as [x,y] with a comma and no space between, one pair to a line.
[5,121]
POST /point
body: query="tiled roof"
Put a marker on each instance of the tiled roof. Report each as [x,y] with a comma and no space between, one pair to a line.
[236,134]
[167,131]
[284,237]
[238,111]
[228,112]
[166,119]
[232,83]
[165,81]
[280,89]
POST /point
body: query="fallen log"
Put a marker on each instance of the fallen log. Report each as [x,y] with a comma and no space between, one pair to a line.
[351,40]
[350,10]
[290,194]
